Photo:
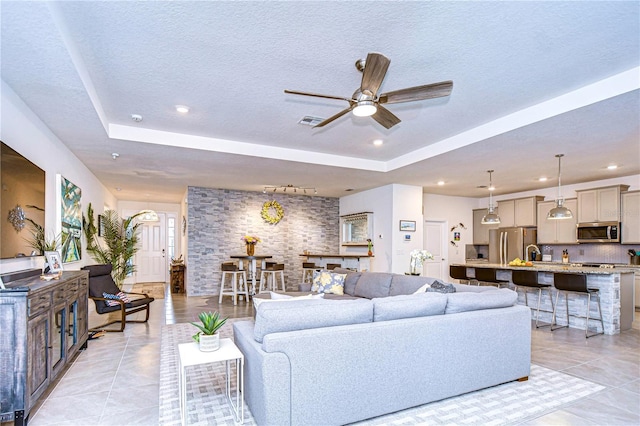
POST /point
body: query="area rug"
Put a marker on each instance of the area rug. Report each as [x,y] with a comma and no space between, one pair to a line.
[155,290]
[506,404]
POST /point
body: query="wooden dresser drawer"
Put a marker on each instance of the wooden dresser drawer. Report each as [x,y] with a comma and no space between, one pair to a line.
[72,289]
[59,295]
[38,303]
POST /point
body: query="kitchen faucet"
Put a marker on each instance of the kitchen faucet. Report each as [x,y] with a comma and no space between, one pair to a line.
[536,249]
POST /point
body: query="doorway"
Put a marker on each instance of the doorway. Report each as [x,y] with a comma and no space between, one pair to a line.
[151,258]
[435,242]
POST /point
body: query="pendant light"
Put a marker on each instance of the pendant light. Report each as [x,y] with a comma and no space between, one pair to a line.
[559,211]
[491,218]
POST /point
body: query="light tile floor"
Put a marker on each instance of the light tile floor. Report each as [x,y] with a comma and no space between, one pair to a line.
[115,381]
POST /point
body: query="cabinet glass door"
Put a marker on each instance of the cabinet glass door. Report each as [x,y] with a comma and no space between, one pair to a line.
[57,339]
[72,328]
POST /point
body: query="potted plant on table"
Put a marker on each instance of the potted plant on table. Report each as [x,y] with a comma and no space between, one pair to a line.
[417,259]
[208,337]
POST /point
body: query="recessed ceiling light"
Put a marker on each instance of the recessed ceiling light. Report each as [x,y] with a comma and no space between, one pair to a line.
[182,109]
[612,166]
[115,155]
[136,117]
[492,188]
[542,179]
[378,142]
[118,188]
[440,182]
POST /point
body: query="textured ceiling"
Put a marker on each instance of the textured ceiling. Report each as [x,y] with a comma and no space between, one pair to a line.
[531,79]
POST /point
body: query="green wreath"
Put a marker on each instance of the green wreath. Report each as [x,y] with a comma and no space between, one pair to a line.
[266,212]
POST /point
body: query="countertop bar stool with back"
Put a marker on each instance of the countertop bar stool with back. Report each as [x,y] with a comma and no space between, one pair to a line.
[567,283]
[269,277]
[527,280]
[489,275]
[460,273]
[307,271]
[238,283]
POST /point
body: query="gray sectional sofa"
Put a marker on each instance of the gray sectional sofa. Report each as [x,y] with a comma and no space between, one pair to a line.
[382,350]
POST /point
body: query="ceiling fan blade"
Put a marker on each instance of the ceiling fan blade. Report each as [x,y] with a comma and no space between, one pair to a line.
[335,117]
[418,93]
[294,92]
[375,69]
[385,117]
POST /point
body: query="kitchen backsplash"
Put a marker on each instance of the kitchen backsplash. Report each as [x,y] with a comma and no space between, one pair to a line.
[596,253]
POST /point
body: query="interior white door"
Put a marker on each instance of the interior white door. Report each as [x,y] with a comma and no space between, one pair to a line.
[435,243]
[152,266]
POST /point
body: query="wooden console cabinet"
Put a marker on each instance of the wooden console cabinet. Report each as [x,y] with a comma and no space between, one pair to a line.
[44,324]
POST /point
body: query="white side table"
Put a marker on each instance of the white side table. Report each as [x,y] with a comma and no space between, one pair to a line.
[190,354]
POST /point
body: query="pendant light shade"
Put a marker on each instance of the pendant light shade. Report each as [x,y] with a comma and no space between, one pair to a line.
[491,218]
[559,211]
[148,216]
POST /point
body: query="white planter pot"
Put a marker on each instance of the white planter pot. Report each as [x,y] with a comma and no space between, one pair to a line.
[209,343]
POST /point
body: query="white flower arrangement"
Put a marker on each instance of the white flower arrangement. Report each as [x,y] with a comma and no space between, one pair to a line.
[418,257]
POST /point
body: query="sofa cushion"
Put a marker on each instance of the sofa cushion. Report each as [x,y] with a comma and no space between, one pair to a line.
[408,306]
[473,288]
[328,282]
[350,281]
[469,301]
[284,297]
[373,284]
[407,284]
[280,315]
[440,287]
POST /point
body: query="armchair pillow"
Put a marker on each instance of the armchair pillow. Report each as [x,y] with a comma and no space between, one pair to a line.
[113,297]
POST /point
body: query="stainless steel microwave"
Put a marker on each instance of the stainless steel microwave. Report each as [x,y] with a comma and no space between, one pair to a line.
[598,232]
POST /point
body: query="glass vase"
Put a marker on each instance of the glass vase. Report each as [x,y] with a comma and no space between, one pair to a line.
[251,248]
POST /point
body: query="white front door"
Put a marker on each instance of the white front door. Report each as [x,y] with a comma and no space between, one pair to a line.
[152,265]
[435,243]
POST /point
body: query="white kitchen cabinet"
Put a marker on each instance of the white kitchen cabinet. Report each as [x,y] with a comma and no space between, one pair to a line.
[556,231]
[600,204]
[480,231]
[630,218]
[519,211]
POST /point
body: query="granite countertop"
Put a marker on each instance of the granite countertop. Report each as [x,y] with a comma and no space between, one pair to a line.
[557,267]
[351,255]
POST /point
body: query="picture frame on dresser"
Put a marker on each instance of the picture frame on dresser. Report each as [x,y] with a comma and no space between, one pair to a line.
[54,261]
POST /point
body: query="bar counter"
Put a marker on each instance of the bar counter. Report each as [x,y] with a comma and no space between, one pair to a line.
[359,262]
[615,285]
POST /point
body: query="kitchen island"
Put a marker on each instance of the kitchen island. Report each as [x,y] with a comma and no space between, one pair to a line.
[358,262]
[615,285]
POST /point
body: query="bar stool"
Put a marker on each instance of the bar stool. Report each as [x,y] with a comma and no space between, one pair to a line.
[488,275]
[269,276]
[332,266]
[460,273]
[307,271]
[238,283]
[575,283]
[529,279]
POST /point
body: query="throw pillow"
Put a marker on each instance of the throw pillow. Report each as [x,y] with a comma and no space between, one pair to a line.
[441,288]
[328,282]
[113,297]
[423,289]
[284,298]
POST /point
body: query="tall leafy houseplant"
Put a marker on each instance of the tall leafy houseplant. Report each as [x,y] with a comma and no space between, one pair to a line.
[118,244]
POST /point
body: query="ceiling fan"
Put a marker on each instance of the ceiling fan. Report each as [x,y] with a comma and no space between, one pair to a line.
[366,101]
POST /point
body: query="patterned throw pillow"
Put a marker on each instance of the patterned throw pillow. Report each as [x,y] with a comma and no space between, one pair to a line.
[439,287]
[113,297]
[328,282]
[423,289]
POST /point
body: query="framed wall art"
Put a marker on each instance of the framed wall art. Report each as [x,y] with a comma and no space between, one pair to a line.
[408,225]
[70,220]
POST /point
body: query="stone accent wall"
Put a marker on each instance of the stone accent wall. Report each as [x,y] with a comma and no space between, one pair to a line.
[218,218]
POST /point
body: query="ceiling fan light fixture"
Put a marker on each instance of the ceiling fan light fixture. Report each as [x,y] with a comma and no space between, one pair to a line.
[365,109]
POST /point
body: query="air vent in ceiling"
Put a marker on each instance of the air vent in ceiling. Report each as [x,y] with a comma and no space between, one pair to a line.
[310,120]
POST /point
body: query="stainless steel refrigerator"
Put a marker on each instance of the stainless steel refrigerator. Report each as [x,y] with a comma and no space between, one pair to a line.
[505,244]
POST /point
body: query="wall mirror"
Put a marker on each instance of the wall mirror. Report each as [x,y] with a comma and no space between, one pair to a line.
[22,195]
[356,228]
